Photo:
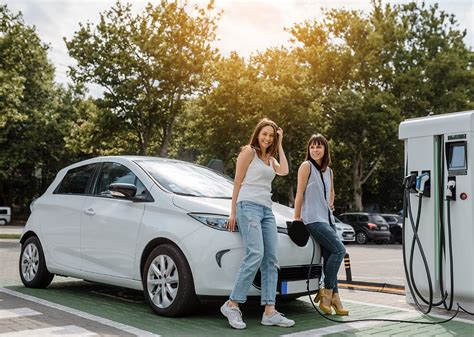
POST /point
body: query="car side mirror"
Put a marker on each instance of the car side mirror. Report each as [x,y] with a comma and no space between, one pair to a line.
[121,190]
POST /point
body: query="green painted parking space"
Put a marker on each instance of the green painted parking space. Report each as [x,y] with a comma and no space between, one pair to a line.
[128,307]
[133,311]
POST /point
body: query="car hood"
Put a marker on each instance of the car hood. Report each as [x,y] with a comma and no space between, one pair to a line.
[344,226]
[222,206]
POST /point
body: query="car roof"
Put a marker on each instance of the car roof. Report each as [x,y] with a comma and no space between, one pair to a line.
[357,213]
[129,158]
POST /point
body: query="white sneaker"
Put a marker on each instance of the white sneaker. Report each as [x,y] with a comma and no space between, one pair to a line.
[234,315]
[277,319]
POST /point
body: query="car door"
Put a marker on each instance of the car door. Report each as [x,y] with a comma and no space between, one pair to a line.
[110,225]
[59,215]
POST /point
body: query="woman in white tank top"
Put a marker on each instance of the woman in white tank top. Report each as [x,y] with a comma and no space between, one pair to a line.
[252,207]
[314,203]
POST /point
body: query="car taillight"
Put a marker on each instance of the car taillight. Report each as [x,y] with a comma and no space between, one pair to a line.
[372,225]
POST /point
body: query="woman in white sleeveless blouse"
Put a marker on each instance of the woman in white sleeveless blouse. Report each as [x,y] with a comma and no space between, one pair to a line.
[252,207]
[314,203]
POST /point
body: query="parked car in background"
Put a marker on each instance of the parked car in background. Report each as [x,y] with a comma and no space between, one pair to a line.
[150,224]
[396,226]
[367,226]
[5,215]
[345,232]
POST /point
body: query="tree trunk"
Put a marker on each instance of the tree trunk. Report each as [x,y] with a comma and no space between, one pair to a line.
[357,182]
[175,106]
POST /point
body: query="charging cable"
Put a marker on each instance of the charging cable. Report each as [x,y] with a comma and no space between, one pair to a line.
[364,319]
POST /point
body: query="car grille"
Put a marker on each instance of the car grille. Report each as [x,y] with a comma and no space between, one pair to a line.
[296,273]
[348,234]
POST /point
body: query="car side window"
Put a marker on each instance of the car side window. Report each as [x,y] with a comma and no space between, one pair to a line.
[76,180]
[363,218]
[350,218]
[111,173]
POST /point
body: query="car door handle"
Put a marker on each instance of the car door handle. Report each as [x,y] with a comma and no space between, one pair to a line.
[89,211]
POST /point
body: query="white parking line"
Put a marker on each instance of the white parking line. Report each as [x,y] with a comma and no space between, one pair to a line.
[68,330]
[19,312]
[105,321]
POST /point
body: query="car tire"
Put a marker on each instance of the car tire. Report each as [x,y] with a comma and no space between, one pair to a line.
[3,222]
[32,265]
[361,238]
[168,282]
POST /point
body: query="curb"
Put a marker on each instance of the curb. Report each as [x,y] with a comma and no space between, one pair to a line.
[10,236]
[373,286]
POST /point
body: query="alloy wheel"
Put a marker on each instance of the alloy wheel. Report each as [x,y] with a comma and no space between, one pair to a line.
[361,238]
[30,262]
[162,281]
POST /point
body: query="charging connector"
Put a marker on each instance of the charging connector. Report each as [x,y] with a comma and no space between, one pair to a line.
[421,182]
[451,190]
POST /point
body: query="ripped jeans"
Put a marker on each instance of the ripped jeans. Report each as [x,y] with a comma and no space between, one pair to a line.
[259,234]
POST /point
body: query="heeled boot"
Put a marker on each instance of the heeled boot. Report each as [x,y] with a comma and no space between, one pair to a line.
[325,301]
[337,305]
[317,297]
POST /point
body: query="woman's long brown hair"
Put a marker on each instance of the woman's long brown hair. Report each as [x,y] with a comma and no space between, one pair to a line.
[315,140]
[272,150]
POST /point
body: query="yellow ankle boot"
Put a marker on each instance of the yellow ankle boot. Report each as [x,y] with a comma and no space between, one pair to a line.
[337,305]
[325,302]
[317,297]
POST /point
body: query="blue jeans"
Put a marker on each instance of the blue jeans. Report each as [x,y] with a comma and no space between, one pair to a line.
[259,234]
[332,248]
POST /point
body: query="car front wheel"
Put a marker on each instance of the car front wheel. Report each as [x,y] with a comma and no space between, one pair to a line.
[361,238]
[33,271]
[168,283]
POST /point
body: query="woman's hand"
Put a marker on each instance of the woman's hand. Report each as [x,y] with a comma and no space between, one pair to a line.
[230,224]
[280,136]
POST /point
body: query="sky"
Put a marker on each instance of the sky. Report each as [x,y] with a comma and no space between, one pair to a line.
[246,26]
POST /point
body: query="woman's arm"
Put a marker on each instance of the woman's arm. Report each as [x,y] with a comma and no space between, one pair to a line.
[303,175]
[281,168]
[243,161]
[332,194]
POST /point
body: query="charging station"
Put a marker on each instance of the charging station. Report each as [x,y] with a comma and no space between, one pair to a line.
[439,209]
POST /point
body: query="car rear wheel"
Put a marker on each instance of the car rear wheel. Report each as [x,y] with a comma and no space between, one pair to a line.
[33,271]
[361,238]
[168,283]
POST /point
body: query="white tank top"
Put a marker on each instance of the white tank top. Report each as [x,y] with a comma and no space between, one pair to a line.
[257,184]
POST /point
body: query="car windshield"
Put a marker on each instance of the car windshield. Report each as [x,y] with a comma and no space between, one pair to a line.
[189,179]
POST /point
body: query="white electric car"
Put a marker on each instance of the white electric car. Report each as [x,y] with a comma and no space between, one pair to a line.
[151,224]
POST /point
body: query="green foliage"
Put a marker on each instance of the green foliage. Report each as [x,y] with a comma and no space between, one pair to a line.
[373,71]
[35,114]
[148,64]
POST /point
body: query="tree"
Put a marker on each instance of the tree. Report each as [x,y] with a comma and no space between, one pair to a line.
[374,70]
[148,64]
[26,96]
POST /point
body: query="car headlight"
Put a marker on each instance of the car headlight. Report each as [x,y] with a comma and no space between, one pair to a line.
[215,221]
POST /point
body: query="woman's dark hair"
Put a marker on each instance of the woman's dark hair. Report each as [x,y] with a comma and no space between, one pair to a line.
[272,149]
[316,140]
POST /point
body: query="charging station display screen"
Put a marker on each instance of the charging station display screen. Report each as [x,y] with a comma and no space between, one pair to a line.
[457,156]
[458,159]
